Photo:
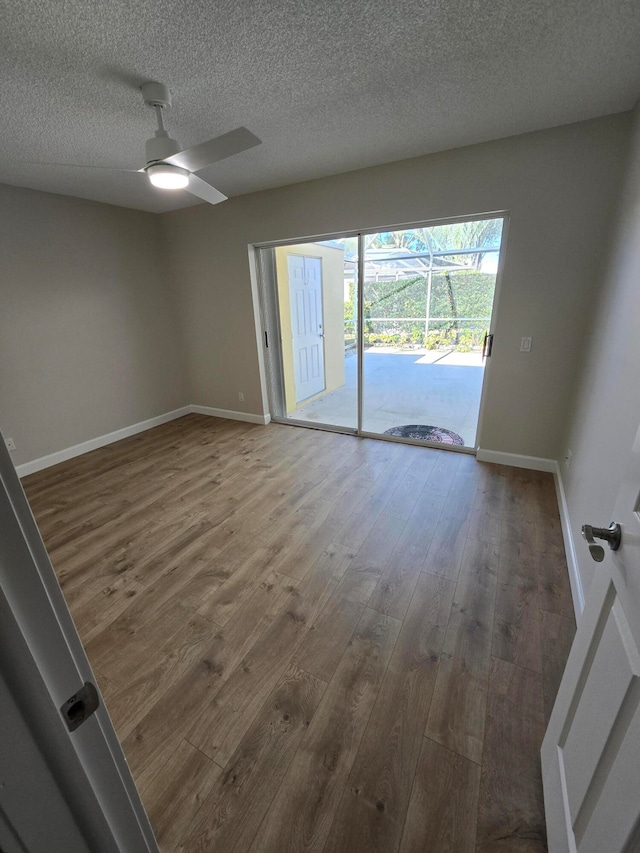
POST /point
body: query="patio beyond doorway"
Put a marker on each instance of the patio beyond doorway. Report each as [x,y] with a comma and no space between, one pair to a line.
[385,334]
[406,384]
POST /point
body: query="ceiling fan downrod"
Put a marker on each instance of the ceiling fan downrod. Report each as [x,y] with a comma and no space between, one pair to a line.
[161,145]
[161,131]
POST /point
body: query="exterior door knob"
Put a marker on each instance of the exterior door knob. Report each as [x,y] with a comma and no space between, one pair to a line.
[611,534]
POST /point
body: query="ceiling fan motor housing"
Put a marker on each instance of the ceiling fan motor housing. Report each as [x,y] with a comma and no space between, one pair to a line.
[161,146]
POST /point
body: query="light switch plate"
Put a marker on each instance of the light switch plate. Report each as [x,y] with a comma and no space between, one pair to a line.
[525,344]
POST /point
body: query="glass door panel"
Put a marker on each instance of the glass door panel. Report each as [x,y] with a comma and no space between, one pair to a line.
[427,301]
[317,307]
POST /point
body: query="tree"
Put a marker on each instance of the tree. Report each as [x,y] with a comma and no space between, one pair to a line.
[458,286]
[475,234]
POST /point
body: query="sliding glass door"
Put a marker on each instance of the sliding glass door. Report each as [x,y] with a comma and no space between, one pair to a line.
[384,333]
[428,295]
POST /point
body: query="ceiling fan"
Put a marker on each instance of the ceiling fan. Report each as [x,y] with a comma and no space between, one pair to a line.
[170,167]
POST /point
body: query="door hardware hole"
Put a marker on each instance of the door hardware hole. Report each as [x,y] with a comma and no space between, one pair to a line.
[76,711]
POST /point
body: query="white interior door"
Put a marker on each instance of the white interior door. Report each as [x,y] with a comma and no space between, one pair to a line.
[591,750]
[60,789]
[305,290]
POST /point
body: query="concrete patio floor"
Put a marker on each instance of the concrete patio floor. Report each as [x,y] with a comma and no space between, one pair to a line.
[405,387]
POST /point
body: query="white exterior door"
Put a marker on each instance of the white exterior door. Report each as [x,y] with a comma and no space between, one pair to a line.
[59,789]
[305,291]
[591,750]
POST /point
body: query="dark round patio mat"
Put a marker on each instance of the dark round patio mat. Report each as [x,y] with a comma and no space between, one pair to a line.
[426,433]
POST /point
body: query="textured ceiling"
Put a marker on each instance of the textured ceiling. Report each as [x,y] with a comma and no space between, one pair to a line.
[328,86]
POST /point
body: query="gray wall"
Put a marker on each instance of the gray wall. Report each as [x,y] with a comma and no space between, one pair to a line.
[88,338]
[606,413]
[560,186]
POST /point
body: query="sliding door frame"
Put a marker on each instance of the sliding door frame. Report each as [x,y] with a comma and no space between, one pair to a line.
[269,315]
[360,336]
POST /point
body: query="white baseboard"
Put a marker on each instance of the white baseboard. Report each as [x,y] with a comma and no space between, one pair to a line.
[230,415]
[577,591]
[102,440]
[536,463]
[516,460]
[95,443]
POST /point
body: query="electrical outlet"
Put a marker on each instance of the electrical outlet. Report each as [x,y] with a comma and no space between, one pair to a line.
[241,396]
[525,344]
[11,445]
[567,458]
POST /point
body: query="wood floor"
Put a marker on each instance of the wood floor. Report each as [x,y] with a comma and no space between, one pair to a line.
[313,642]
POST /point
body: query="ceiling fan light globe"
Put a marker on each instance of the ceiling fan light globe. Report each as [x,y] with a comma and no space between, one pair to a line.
[168,177]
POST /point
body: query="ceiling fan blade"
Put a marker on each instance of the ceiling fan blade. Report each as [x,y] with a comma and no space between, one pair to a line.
[204,191]
[196,158]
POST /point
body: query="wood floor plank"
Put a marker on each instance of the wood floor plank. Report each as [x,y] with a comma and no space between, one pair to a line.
[106,686]
[485,523]
[553,584]
[176,794]
[130,698]
[245,566]
[542,489]
[518,564]
[223,723]
[557,633]
[167,721]
[511,809]
[324,644]
[302,811]
[316,536]
[405,495]
[359,523]
[94,614]
[443,472]
[398,580]
[457,714]
[516,634]
[380,459]
[152,616]
[447,546]
[376,549]
[444,803]
[359,585]
[233,811]
[290,600]
[375,800]
[457,507]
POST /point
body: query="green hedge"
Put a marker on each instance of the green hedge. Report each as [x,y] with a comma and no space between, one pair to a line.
[459,293]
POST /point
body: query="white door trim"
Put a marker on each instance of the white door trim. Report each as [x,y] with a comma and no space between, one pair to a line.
[40,638]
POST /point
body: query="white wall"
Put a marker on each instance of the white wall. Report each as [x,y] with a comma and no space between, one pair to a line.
[88,338]
[561,188]
[606,413]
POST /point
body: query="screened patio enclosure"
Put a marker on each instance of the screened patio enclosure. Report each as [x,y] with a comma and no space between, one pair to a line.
[417,307]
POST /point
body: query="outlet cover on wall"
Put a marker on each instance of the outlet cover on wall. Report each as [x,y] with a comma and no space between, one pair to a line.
[241,396]
[567,458]
[11,445]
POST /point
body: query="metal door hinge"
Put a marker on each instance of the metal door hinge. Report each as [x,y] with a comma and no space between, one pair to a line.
[266,340]
[80,706]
